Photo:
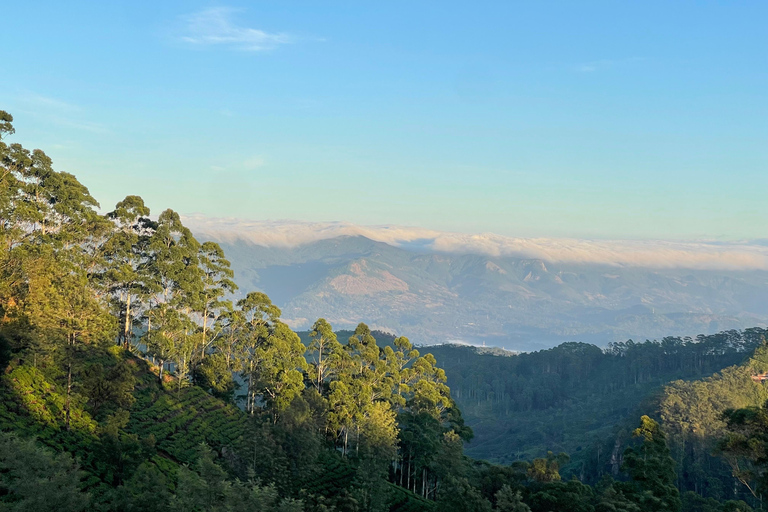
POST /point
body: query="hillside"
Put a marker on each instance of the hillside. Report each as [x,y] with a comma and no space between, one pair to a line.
[144,451]
[571,397]
[518,304]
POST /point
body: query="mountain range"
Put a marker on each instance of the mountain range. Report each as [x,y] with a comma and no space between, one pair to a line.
[518,303]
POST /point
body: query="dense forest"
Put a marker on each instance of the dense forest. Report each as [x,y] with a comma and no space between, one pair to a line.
[582,400]
[132,381]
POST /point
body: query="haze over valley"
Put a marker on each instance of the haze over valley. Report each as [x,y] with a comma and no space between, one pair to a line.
[519,294]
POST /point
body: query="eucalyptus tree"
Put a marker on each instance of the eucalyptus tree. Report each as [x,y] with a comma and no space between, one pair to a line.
[167,338]
[342,409]
[278,370]
[174,262]
[372,373]
[174,279]
[11,181]
[258,313]
[327,352]
[216,371]
[217,283]
[272,355]
[427,388]
[230,343]
[744,446]
[362,388]
[126,253]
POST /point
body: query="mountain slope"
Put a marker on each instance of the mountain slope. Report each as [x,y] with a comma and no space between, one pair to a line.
[520,304]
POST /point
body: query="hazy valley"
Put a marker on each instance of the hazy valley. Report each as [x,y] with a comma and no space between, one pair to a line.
[511,302]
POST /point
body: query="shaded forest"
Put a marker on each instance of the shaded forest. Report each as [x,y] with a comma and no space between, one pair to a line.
[571,397]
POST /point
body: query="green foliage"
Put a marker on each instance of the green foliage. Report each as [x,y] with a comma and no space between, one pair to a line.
[35,480]
[37,397]
[614,500]
[574,397]
[652,470]
[147,490]
[693,502]
[509,500]
[571,496]
[692,415]
[214,375]
[745,446]
[107,389]
[547,469]
[204,487]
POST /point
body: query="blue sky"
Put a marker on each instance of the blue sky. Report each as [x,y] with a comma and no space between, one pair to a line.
[578,119]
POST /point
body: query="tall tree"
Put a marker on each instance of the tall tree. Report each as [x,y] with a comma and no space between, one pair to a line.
[278,372]
[326,351]
[217,283]
[174,280]
[258,314]
[651,469]
[126,253]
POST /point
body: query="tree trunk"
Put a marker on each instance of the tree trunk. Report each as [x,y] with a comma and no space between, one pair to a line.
[127,328]
[69,393]
[319,367]
[408,480]
[205,332]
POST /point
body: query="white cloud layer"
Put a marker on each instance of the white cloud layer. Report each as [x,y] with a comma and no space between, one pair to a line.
[641,253]
[215,27]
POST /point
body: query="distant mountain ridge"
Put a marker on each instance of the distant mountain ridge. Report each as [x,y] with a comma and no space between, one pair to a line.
[516,303]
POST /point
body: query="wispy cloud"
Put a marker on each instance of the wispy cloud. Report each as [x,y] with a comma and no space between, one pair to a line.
[48,103]
[216,27]
[59,112]
[639,253]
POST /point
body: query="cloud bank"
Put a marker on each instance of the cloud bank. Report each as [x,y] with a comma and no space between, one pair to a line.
[215,27]
[639,253]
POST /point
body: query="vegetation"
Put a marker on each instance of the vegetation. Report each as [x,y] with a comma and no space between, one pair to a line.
[131,381]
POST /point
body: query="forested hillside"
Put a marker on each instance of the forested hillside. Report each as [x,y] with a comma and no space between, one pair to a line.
[132,381]
[571,397]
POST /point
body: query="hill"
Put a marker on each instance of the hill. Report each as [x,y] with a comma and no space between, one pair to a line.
[571,397]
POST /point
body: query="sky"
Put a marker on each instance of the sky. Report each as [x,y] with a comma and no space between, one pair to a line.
[599,120]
